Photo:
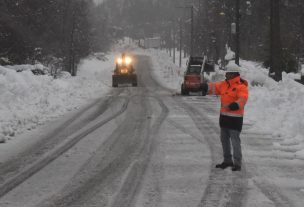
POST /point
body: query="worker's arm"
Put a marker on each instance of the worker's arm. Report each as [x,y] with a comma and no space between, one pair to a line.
[211,88]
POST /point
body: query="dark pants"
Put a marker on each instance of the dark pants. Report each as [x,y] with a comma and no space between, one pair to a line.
[230,137]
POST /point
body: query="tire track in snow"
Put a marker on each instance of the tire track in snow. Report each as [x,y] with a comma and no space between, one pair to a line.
[53,139]
[261,143]
[90,186]
[126,195]
[272,193]
[131,186]
[223,188]
[30,170]
[108,165]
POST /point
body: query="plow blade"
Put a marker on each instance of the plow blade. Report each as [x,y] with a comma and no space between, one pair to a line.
[124,79]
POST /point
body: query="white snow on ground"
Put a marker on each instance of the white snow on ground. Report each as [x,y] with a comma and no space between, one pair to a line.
[276,108]
[167,73]
[28,100]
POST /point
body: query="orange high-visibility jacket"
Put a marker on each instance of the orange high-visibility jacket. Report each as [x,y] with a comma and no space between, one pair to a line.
[234,90]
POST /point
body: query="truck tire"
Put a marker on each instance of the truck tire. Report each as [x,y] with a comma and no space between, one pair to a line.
[184,91]
[134,80]
[114,83]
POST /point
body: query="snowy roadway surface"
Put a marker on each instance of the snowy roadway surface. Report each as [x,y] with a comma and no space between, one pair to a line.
[145,147]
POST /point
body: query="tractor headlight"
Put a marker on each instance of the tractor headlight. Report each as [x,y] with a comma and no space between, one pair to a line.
[128,60]
[119,61]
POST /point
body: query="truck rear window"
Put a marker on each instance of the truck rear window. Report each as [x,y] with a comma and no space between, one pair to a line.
[194,69]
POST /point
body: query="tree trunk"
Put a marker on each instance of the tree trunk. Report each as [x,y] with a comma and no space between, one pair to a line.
[276,65]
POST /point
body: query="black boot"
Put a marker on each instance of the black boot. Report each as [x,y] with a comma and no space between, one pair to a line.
[236,168]
[224,165]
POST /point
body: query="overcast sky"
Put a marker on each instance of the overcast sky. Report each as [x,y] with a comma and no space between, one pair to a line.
[98,1]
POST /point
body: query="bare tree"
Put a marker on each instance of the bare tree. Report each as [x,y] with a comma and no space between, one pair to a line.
[275,42]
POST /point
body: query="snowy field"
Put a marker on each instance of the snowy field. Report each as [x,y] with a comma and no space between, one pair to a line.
[27,100]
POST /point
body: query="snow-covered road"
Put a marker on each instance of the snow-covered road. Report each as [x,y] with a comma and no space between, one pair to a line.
[108,161]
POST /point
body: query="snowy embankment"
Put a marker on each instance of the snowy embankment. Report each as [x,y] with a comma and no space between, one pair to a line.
[276,108]
[167,72]
[273,108]
[28,100]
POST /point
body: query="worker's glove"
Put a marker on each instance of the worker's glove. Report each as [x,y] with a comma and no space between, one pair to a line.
[204,89]
[233,106]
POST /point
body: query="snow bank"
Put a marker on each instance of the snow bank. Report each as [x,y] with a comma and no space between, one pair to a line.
[27,67]
[168,73]
[229,53]
[275,107]
[28,100]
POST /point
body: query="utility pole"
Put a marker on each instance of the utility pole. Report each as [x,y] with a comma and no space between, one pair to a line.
[237,33]
[174,46]
[170,41]
[197,33]
[192,26]
[276,64]
[192,31]
[180,42]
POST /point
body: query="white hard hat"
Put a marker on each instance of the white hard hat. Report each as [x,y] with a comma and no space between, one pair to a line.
[231,67]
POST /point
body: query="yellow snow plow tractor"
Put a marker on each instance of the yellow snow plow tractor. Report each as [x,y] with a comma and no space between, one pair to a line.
[124,72]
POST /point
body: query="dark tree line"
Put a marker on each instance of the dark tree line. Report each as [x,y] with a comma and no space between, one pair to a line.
[212,26]
[255,30]
[44,30]
[71,29]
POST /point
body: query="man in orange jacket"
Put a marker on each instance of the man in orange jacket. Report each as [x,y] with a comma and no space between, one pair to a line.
[234,95]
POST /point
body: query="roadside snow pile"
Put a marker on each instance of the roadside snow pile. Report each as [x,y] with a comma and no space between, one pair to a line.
[169,74]
[27,100]
[126,45]
[276,108]
[229,54]
[20,68]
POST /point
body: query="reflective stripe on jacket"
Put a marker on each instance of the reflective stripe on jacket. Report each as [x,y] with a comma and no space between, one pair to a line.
[234,90]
